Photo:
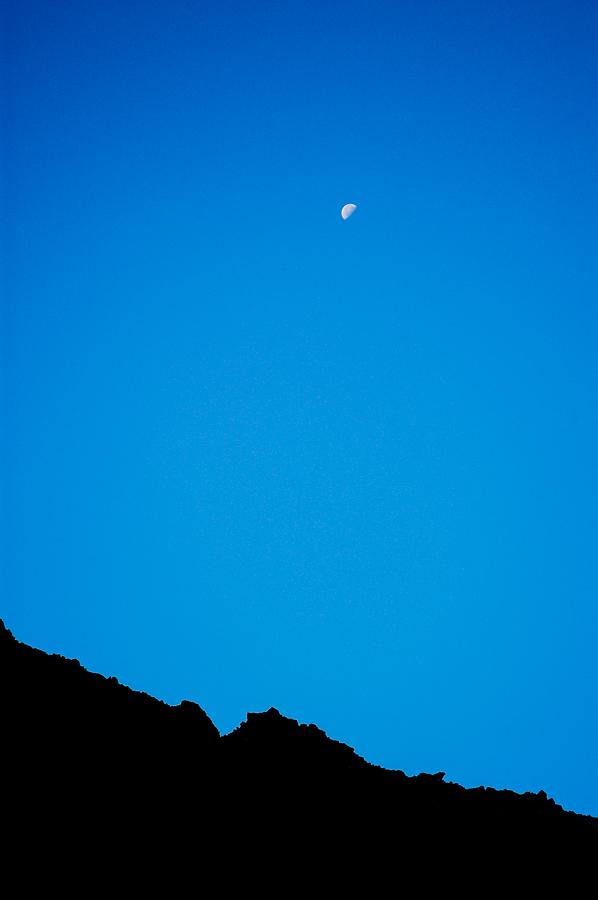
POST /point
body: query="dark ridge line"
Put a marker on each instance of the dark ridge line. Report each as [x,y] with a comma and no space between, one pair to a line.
[59,719]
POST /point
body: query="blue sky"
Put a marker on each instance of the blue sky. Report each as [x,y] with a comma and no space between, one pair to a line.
[256,455]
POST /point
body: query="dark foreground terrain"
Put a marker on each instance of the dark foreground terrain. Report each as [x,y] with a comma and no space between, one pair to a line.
[89,766]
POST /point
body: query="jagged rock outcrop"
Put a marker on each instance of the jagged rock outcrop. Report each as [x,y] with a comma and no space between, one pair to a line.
[103,756]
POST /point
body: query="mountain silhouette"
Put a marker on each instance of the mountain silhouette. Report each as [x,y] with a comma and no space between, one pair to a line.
[83,755]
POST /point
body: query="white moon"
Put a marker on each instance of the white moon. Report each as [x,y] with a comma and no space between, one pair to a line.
[348,210]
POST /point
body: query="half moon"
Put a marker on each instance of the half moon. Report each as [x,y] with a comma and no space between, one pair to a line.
[348,210]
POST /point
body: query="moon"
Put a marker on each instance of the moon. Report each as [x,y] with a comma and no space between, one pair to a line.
[348,210]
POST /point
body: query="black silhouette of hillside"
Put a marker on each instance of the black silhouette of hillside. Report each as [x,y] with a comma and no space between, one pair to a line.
[83,756]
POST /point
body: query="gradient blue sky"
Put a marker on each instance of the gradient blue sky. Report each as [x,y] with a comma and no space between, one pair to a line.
[256,455]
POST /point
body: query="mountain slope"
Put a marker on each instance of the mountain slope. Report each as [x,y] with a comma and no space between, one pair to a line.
[106,755]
